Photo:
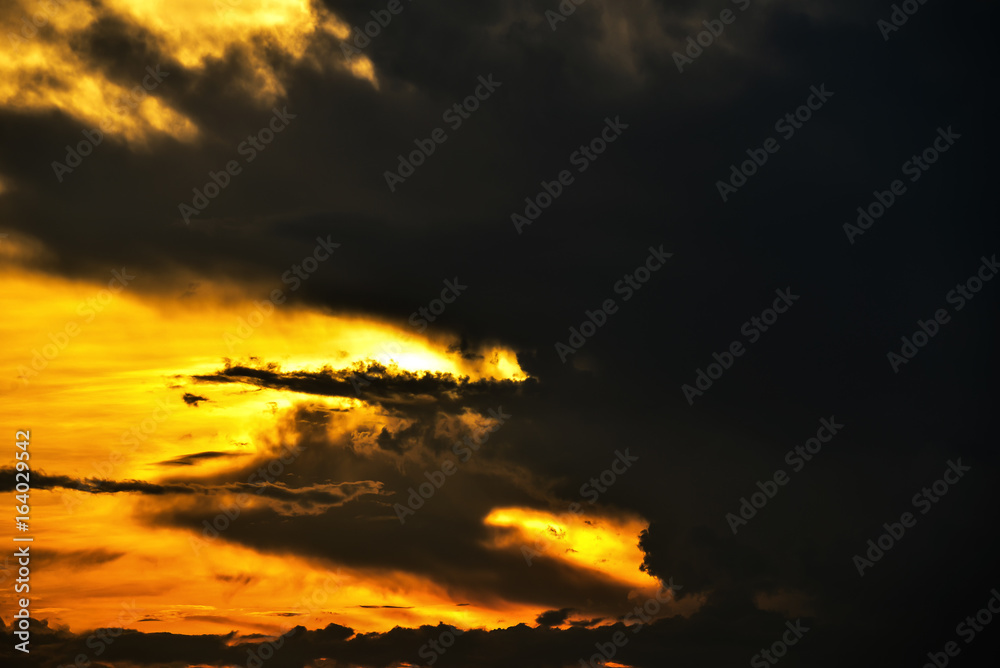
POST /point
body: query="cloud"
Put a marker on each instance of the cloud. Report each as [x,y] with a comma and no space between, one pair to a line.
[365,451]
[286,501]
[82,558]
[553,617]
[193,399]
[406,391]
[195,458]
[66,55]
[521,645]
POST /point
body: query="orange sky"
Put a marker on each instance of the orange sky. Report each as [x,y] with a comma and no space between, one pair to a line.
[108,405]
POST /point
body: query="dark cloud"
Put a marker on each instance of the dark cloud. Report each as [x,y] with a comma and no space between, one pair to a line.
[584,623]
[553,617]
[286,500]
[374,383]
[192,459]
[80,558]
[518,645]
[397,607]
[655,185]
[193,399]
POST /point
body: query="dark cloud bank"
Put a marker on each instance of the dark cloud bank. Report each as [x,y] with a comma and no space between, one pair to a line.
[825,357]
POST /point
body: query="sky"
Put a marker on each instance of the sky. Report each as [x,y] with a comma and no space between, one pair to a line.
[510,333]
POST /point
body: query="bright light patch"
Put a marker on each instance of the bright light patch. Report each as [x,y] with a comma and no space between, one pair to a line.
[608,545]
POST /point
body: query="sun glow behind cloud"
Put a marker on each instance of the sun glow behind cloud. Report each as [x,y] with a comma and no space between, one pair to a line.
[119,363]
[609,545]
[120,360]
